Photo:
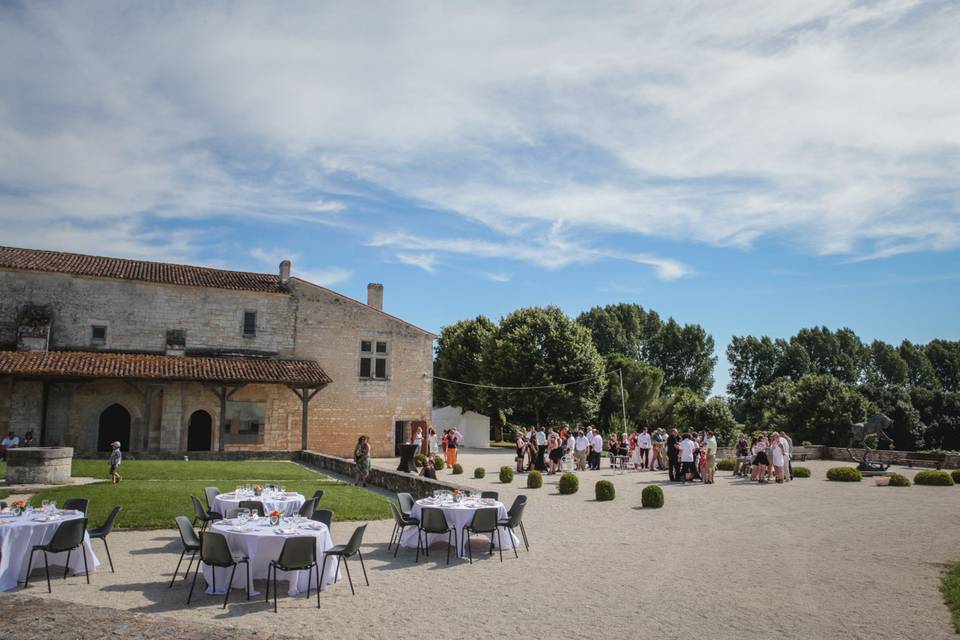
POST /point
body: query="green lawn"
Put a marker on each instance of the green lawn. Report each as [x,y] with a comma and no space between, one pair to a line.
[154,492]
[951,593]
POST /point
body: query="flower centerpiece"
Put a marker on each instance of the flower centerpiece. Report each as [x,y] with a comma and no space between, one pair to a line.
[258,490]
[275,517]
[19,506]
[457,495]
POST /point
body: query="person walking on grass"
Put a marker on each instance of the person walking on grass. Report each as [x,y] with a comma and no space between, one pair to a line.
[361,456]
[115,459]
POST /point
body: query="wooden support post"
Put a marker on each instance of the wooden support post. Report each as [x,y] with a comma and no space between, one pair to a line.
[43,413]
[223,393]
[305,394]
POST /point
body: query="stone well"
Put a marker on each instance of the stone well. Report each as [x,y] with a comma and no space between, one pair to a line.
[39,465]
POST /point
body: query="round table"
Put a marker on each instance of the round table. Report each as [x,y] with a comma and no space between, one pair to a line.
[288,504]
[458,515]
[18,535]
[260,542]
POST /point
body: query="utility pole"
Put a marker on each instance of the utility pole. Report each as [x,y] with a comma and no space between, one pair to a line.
[623,399]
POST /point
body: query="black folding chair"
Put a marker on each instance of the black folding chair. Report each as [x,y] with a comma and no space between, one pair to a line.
[210,494]
[405,500]
[308,507]
[432,520]
[104,530]
[191,545]
[490,495]
[77,504]
[67,537]
[297,554]
[215,552]
[344,551]
[400,522]
[484,521]
[515,520]
[323,515]
[205,517]
[318,495]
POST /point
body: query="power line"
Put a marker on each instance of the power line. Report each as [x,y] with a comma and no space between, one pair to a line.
[532,388]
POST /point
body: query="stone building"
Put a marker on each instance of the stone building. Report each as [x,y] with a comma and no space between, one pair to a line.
[180,358]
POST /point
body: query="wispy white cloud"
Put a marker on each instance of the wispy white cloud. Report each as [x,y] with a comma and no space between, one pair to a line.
[425,261]
[835,125]
[496,276]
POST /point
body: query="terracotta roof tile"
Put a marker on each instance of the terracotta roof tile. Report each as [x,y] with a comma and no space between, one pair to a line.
[84,365]
[122,269]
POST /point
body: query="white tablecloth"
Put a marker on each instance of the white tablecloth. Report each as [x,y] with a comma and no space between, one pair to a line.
[289,506]
[259,542]
[17,537]
[458,515]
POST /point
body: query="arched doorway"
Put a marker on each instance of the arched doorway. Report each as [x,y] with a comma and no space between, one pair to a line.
[114,426]
[199,431]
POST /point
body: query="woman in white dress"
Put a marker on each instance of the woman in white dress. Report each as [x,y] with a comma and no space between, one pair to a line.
[432,441]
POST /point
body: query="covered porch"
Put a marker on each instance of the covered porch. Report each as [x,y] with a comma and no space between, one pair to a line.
[157,402]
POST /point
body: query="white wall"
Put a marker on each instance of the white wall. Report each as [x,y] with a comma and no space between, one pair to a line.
[474,426]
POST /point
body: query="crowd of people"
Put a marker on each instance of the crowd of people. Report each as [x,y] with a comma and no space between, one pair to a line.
[445,443]
[687,457]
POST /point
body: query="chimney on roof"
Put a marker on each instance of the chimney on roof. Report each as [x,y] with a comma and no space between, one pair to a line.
[375,295]
[284,272]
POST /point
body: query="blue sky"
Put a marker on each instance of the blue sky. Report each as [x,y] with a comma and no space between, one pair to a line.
[753,167]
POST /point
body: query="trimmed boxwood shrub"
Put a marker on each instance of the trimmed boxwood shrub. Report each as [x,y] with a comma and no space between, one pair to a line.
[726,464]
[420,459]
[897,480]
[534,480]
[955,474]
[604,490]
[569,484]
[652,497]
[936,478]
[801,472]
[457,469]
[479,472]
[506,475]
[844,474]
[438,463]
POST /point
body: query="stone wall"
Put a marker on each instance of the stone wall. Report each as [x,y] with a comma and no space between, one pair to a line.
[138,314]
[329,330]
[815,452]
[951,460]
[39,465]
[395,481]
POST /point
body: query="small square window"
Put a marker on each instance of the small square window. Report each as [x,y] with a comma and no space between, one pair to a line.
[366,346]
[365,367]
[249,324]
[381,369]
[381,347]
[98,334]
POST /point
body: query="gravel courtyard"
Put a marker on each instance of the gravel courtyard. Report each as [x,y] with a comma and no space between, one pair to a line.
[808,559]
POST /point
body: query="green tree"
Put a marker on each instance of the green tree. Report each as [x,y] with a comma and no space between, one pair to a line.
[683,352]
[459,356]
[920,371]
[539,347]
[840,354]
[753,363]
[715,415]
[771,407]
[824,408]
[940,413]
[641,385]
[886,367]
[944,357]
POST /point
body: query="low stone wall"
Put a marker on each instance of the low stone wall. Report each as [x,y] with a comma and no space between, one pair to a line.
[39,465]
[889,456]
[395,481]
